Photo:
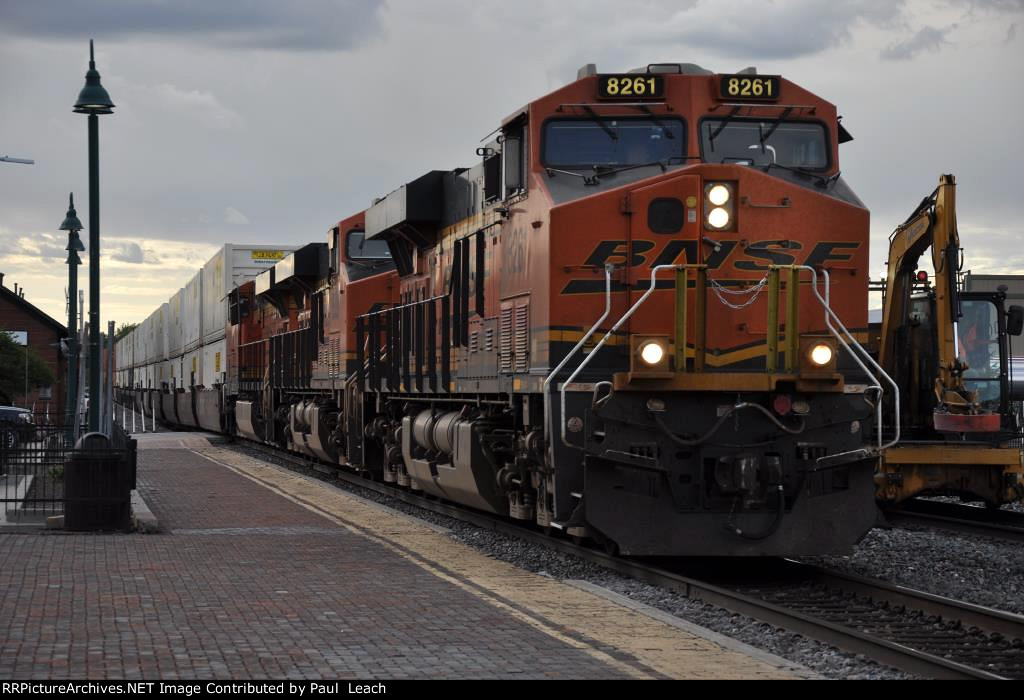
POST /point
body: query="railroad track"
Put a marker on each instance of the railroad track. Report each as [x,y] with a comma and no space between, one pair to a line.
[910,630]
[957,517]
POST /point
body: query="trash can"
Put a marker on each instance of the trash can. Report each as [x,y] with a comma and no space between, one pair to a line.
[97,485]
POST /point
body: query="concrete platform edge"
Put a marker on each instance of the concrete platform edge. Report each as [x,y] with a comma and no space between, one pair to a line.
[143,519]
[710,635]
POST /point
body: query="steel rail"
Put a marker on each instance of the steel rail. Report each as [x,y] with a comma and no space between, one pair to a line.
[1000,524]
[846,638]
[990,620]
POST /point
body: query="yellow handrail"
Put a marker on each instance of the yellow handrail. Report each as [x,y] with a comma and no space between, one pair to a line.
[700,322]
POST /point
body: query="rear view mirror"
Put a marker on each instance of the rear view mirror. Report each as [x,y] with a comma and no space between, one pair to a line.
[1015,320]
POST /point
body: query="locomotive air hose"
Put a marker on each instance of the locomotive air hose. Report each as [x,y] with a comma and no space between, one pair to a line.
[721,421]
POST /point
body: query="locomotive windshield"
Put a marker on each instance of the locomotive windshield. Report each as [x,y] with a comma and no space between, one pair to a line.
[801,145]
[613,141]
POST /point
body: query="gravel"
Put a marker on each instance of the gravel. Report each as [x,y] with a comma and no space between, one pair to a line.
[972,568]
[821,658]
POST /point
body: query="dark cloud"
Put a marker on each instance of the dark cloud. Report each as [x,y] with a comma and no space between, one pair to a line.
[258,24]
[926,39]
[779,30]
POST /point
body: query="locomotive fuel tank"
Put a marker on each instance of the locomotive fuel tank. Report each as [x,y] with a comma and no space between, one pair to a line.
[445,455]
[246,421]
[312,427]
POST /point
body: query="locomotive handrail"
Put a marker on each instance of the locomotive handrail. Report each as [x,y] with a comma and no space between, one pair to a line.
[625,317]
[832,322]
[399,307]
[565,360]
[830,319]
[612,104]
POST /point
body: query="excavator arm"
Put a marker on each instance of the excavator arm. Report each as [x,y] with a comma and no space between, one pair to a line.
[933,226]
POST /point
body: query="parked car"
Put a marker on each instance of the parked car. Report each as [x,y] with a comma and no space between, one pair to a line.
[17,426]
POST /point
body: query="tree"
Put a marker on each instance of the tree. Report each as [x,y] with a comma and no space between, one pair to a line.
[12,369]
[124,330]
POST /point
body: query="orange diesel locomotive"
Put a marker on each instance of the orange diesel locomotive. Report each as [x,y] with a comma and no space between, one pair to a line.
[635,319]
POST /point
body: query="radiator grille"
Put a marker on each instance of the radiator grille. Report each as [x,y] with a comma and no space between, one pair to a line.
[505,350]
[522,337]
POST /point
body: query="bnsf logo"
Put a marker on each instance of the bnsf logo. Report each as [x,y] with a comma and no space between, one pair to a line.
[755,257]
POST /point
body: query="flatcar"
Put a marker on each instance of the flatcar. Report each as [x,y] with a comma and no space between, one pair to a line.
[635,319]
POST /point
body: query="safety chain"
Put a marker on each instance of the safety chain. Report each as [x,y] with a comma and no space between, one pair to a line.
[753,292]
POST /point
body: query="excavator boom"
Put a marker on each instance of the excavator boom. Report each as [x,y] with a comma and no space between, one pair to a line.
[933,226]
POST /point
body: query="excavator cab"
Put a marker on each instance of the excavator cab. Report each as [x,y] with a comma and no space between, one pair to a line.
[982,347]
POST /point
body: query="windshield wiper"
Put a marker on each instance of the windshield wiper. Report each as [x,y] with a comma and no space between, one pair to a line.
[657,122]
[822,181]
[764,136]
[721,127]
[603,170]
[587,179]
[601,123]
[607,170]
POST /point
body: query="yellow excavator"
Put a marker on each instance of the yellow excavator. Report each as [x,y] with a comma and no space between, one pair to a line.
[948,351]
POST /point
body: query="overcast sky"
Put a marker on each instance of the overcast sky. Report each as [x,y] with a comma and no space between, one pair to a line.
[259,121]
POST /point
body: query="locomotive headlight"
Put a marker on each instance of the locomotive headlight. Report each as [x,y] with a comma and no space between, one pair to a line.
[720,205]
[650,356]
[818,357]
[652,352]
[821,354]
[718,195]
[718,217]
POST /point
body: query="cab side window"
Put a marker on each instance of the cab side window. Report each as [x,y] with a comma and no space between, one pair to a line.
[513,164]
[365,257]
[492,172]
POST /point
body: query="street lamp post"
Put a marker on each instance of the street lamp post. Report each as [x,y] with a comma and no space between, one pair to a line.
[72,225]
[93,100]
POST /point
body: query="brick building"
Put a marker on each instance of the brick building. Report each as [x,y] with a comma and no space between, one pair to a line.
[44,336]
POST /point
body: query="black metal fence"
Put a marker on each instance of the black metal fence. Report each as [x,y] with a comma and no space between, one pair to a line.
[43,474]
[33,453]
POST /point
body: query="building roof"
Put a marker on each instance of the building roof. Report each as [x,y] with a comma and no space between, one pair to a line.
[9,296]
[990,283]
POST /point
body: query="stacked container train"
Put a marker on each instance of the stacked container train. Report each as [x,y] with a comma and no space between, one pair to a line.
[177,357]
[635,319]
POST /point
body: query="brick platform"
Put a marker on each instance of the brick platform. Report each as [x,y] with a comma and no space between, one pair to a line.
[249,580]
